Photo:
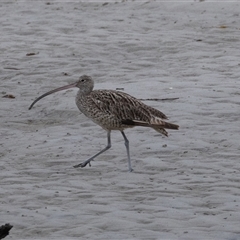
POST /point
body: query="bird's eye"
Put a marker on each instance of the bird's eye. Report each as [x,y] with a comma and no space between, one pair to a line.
[82,80]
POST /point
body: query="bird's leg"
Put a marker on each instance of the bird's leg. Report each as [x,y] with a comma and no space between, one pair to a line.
[128,154]
[92,158]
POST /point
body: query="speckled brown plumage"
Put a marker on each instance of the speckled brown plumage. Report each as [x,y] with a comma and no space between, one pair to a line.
[114,110]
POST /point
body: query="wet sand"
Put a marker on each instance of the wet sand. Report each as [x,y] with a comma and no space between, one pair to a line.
[185,186]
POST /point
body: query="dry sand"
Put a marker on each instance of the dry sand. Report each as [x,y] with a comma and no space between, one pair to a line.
[183,187]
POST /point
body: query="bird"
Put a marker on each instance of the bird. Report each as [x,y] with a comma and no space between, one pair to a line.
[113,110]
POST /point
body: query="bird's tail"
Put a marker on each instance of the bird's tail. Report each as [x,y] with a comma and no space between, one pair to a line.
[164,124]
[156,123]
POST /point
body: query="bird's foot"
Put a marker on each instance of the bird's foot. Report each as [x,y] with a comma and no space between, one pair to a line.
[84,164]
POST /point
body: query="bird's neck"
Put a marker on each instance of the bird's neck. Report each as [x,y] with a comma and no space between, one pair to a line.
[83,93]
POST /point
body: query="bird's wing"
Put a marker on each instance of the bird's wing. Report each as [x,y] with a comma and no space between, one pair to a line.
[123,106]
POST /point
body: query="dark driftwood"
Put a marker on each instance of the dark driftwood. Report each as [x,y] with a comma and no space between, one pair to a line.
[4,230]
[158,99]
[11,68]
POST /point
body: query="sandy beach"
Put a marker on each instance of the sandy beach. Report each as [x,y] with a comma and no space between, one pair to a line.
[186,186]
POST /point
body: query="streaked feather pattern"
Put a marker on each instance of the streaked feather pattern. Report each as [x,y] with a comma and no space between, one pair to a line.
[114,110]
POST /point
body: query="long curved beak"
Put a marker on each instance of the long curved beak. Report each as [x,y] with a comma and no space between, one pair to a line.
[53,91]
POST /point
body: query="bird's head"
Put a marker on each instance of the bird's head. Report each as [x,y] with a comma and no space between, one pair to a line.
[85,85]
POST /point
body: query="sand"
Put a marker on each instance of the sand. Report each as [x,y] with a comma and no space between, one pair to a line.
[185,186]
